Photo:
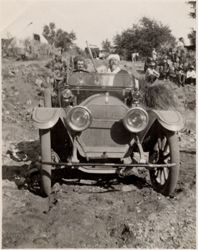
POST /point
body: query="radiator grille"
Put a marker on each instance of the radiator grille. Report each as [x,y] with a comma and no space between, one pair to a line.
[107,133]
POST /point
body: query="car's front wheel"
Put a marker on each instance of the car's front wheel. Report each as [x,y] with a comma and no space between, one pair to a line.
[45,141]
[165,150]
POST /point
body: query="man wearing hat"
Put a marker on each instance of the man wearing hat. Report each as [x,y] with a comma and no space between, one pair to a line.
[151,74]
[191,75]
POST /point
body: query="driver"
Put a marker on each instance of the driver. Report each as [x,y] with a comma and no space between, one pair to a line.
[79,64]
[80,75]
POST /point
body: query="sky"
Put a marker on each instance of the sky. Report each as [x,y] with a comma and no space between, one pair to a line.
[91,20]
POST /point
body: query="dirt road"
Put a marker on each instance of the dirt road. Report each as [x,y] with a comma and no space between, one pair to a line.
[84,211]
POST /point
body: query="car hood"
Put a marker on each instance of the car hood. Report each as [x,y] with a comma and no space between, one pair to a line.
[106,135]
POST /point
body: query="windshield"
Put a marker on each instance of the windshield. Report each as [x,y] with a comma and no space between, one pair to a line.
[120,79]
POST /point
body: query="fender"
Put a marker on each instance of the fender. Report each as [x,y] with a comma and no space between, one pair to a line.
[170,119]
[45,118]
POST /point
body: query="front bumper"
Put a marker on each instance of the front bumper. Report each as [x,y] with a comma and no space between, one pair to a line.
[105,167]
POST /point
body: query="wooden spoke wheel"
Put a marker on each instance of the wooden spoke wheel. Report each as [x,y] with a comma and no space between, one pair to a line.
[165,150]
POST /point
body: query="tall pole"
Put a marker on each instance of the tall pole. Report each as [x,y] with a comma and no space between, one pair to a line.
[91,56]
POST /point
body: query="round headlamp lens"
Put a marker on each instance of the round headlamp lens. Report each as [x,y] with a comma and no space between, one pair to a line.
[79,118]
[136,120]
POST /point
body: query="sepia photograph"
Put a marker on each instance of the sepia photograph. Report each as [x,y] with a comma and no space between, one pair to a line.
[98,124]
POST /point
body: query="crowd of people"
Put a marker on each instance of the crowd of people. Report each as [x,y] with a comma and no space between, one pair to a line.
[174,64]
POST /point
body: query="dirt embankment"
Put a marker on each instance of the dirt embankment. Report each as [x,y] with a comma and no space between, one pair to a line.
[85,211]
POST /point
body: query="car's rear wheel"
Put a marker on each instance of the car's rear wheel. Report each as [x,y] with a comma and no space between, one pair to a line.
[166,150]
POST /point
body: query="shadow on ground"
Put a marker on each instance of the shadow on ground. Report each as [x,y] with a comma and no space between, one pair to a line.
[28,177]
[26,174]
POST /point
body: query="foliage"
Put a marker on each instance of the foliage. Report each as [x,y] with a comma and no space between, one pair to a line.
[193,9]
[58,37]
[192,34]
[106,45]
[64,39]
[80,51]
[143,37]
[192,37]
[7,45]
[49,33]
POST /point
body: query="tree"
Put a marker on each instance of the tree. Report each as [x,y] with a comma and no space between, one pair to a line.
[7,44]
[193,9]
[192,37]
[58,37]
[64,39]
[49,33]
[106,45]
[192,34]
[143,37]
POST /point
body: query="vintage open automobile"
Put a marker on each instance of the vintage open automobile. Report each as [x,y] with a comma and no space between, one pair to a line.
[98,123]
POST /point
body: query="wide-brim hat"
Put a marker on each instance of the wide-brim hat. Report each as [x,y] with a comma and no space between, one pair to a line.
[113,56]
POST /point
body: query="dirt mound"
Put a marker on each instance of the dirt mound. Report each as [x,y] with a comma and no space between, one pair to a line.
[21,87]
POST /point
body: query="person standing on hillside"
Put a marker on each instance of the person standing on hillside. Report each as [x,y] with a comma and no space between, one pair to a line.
[181,75]
[191,75]
[151,74]
[164,70]
[154,54]
[57,63]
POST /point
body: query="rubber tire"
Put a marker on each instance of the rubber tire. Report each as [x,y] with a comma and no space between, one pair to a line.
[45,142]
[170,185]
